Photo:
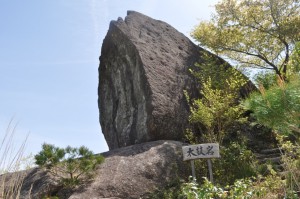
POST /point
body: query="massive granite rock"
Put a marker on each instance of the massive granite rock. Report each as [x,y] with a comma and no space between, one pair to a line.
[137,171]
[131,172]
[143,72]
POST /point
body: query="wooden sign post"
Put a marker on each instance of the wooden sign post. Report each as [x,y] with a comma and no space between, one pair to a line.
[208,151]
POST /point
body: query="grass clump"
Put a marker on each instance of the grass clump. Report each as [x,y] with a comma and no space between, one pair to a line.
[11,162]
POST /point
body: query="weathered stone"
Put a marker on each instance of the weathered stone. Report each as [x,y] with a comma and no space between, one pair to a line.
[29,184]
[130,172]
[144,70]
[136,171]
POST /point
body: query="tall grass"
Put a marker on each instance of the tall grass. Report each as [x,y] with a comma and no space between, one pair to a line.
[11,156]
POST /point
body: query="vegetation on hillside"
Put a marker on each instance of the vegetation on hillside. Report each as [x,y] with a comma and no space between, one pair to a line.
[214,117]
[71,165]
[278,107]
[217,110]
[256,34]
[261,34]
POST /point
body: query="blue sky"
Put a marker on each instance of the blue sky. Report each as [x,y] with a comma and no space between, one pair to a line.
[49,58]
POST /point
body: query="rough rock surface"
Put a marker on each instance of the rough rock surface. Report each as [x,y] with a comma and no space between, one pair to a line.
[144,69]
[136,171]
[36,183]
[130,172]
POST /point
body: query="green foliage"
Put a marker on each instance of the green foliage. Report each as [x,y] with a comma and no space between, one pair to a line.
[71,165]
[240,189]
[265,79]
[235,177]
[215,114]
[236,162]
[291,163]
[268,187]
[172,190]
[217,71]
[207,190]
[217,109]
[294,63]
[49,156]
[259,34]
[278,107]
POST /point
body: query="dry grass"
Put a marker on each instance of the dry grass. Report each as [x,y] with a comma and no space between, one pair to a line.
[11,156]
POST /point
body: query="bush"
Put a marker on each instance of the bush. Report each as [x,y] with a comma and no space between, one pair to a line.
[240,189]
[291,163]
[170,191]
[278,107]
[71,165]
[263,188]
[236,162]
[217,110]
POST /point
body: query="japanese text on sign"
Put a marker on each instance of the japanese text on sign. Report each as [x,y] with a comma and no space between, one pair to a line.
[208,150]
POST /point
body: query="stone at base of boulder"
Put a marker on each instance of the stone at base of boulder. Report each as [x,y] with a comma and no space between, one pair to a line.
[129,172]
[135,171]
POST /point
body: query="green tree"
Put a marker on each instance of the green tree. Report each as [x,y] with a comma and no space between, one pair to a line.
[278,107]
[254,33]
[218,108]
[268,79]
[216,117]
[71,165]
[265,79]
[294,63]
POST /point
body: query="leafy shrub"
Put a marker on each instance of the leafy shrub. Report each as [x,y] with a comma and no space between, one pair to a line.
[240,189]
[170,191]
[236,162]
[71,165]
[264,188]
[214,114]
[291,162]
[279,108]
[265,79]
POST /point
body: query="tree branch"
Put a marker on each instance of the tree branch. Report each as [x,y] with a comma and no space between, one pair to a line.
[273,66]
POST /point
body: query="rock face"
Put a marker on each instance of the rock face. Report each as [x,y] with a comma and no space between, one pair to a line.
[143,72]
[136,171]
[35,184]
[130,172]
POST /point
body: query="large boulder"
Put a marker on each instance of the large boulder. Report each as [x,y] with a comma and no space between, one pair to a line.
[136,171]
[131,172]
[143,72]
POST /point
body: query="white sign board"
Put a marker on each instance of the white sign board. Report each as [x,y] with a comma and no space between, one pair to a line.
[208,150]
